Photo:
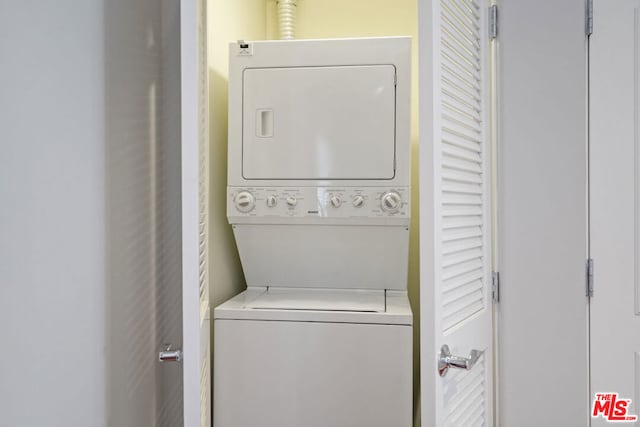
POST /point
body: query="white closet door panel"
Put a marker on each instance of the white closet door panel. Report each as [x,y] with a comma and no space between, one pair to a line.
[542,213]
[195,225]
[615,202]
[455,211]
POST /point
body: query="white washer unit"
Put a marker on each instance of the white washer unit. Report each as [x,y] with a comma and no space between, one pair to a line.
[319,200]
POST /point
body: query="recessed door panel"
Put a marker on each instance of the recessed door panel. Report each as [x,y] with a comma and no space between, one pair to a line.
[319,123]
[614,153]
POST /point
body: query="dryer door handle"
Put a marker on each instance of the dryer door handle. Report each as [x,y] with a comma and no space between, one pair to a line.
[264,123]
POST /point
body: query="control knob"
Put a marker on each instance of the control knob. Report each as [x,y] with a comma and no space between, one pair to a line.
[335,201]
[245,202]
[272,201]
[292,201]
[358,201]
[391,202]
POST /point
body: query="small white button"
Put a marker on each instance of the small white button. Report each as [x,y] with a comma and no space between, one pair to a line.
[292,201]
[272,201]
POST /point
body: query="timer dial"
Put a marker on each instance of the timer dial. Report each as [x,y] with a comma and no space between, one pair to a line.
[245,202]
[391,202]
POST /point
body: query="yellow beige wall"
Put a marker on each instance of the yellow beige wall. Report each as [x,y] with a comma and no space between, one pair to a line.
[226,21]
[364,18]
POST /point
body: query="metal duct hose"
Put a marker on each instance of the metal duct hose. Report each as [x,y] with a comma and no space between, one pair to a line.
[287,18]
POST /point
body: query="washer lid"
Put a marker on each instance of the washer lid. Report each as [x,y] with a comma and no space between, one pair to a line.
[371,301]
[397,310]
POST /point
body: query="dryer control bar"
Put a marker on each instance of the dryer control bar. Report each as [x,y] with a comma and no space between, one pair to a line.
[328,205]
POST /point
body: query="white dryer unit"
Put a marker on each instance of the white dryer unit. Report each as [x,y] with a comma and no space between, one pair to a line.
[319,201]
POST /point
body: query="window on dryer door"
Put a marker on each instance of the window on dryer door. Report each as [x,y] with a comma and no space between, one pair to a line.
[319,122]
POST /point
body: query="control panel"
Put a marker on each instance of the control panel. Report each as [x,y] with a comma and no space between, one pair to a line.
[332,202]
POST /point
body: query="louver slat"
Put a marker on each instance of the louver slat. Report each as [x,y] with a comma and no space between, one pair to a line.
[462,178]
[463,225]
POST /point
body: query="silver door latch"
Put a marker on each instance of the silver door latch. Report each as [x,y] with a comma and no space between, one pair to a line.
[446,360]
[170,354]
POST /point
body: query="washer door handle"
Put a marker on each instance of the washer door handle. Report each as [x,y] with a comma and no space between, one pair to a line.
[446,360]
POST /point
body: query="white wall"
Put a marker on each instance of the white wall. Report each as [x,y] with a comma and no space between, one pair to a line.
[543,370]
[89,223]
[52,187]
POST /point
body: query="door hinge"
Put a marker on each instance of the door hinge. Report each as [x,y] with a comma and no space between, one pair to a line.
[590,278]
[493,21]
[589,18]
[495,287]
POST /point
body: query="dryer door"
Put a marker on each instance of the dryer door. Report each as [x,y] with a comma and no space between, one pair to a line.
[311,123]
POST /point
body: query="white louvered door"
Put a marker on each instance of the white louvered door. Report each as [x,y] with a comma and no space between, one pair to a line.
[195,227]
[455,211]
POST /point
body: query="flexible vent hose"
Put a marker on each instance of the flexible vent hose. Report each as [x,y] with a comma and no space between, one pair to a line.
[287,18]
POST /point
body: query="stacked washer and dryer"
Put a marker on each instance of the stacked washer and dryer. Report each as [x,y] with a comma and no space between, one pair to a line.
[319,201]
